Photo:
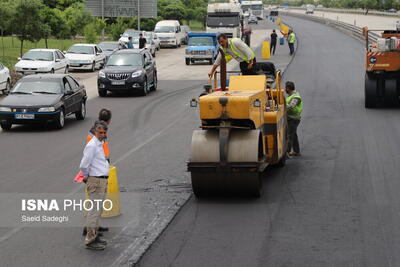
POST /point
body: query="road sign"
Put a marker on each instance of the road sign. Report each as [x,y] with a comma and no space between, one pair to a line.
[123,8]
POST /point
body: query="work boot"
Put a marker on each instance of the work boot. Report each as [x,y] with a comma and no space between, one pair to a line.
[95,246]
[84,232]
[101,241]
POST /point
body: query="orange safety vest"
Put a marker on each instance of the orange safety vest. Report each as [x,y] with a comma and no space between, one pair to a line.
[105,146]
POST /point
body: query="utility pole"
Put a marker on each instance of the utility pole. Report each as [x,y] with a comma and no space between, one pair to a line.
[138,13]
[102,18]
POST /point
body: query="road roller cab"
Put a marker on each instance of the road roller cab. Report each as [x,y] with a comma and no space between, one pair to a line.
[382,77]
[243,130]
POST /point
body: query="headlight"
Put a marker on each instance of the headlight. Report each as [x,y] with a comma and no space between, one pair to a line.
[208,52]
[5,109]
[47,109]
[102,74]
[188,52]
[137,73]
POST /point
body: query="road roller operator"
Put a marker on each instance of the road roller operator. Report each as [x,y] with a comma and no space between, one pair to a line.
[237,49]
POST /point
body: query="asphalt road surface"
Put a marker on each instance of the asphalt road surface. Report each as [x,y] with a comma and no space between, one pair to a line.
[337,205]
[149,142]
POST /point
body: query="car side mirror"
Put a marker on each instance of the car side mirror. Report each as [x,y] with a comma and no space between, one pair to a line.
[58,60]
[70,92]
[19,59]
[64,52]
[97,54]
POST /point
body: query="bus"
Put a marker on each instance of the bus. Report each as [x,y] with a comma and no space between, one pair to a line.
[254,7]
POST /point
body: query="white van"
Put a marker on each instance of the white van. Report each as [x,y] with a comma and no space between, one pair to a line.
[170,33]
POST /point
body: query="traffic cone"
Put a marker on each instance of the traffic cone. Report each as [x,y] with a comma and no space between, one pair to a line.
[112,194]
[265,52]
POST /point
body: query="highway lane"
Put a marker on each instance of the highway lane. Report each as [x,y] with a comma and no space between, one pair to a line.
[150,142]
[337,205]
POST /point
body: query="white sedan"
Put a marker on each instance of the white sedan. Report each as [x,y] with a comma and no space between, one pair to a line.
[5,79]
[85,57]
[42,61]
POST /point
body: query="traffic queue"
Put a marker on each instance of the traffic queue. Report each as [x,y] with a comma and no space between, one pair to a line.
[46,93]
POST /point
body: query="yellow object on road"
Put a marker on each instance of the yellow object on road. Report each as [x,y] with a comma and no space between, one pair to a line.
[278,21]
[284,28]
[112,194]
[265,52]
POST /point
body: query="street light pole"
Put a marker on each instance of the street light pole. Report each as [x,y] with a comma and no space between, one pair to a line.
[138,13]
[102,18]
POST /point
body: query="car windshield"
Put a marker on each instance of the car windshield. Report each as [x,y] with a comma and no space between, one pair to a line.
[125,60]
[29,87]
[131,34]
[108,46]
[81,49]
[38,55]
[231,21]
[164,29]
[257,7]
[200,41]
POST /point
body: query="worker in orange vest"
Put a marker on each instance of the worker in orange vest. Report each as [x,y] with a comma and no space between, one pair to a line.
[104,115]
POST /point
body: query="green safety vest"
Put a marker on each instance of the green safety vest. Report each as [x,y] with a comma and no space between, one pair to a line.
[236,51]
[292,38]
[295,112]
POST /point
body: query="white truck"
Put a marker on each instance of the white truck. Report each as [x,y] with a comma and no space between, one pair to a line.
[310,9]
[225,18]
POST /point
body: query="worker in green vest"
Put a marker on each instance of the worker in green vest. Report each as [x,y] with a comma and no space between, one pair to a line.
[291,40]
[294,106]
[240,51]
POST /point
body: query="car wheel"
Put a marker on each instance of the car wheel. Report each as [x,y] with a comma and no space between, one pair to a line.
[154,54]
[81,113]
[144,88]
[155,82]
[187,61]
[93,67]
[60,120]
[66,70]
[8,87]
[6,126]
[179,45]
[102,92]
[52,71]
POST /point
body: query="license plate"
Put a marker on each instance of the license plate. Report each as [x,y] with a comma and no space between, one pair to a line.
[118,82]
[25,116]
[74,65]
[29,72]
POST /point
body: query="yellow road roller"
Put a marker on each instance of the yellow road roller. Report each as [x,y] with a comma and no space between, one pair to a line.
[243,130]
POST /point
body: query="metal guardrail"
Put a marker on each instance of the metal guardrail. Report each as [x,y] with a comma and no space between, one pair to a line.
[348,28]
[350,11]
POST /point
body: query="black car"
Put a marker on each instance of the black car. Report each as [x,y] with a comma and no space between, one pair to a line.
[129,70]
[43,98]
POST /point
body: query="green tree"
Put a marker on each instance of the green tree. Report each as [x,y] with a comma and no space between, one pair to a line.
[77,17]
[117,28]
[90,32]
[29,22]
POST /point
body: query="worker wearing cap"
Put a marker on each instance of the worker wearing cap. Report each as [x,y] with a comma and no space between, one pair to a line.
[237,49]
[294,106]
